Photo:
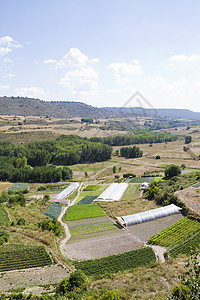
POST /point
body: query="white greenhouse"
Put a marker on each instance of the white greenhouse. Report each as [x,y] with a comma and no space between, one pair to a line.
[68,191]
[114,192]
[150,215]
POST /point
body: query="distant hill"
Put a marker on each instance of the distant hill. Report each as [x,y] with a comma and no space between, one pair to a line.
[62,109]
[162,112]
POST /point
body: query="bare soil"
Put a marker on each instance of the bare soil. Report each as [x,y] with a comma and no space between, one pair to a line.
[191,198]
[102,246]
[31,278]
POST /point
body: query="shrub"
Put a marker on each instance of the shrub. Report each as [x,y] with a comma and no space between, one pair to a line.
[157,156]
[172,171]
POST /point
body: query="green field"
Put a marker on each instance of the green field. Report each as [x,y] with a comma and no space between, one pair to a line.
[18,186]
[86,228]
[132,192]
[84,211]
[4,220]
[141,179]
[178,236]
[116,263]
[16,257]
[53,211]
[86,200]
[92,187]
[88,193]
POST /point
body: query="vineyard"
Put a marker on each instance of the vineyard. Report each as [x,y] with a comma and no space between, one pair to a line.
[53,211]
[84,211]
[181,237]
[4,220]
[18,186]
[16,257]
[116,263]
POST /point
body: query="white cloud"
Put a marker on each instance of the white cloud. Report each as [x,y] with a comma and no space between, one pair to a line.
[95,60]
[160,84]
[7,60]
[34,92]
[49,61]
[6,45]
[74,58]
[184,57]
[4,87]
[113,91]
[126,69]
[9,76]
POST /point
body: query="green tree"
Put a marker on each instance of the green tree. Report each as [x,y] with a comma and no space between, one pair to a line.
[172,171]
[86,174]
[188,139]
[114,169]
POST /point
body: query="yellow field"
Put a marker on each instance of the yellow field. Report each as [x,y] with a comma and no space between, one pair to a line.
[4,186]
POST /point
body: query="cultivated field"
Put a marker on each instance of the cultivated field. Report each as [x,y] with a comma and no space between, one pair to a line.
[191,198]
[4,186]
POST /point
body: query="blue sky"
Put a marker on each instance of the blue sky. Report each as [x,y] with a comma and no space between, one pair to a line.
[102,52]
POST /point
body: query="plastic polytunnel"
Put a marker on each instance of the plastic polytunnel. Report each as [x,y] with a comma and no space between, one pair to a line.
[68,191]
[114,192]
[149,215]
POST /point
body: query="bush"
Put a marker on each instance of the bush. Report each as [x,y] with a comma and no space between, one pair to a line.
[172,171]
[127,175]
[157,156]
[77,281]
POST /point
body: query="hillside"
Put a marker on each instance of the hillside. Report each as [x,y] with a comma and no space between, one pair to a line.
[34,107]
[162,112]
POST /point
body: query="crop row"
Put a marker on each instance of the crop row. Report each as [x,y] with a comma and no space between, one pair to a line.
[53,211]
[4,220]
[91,227]
[176,233]
[116,263]
[86,200]
[192,243]
[24,257]
[85,211]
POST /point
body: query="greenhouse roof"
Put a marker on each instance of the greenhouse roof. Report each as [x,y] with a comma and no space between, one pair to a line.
[149,215]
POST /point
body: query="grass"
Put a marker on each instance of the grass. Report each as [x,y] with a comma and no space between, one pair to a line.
[192,169]
[92,188]
[141,179]
[91,167]
[84,211]
[132,192]
[4,219]
[116,263]
[28,213]
[86,228]
[73,195]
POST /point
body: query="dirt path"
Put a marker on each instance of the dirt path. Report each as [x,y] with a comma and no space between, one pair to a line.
[159,251]
[66,228]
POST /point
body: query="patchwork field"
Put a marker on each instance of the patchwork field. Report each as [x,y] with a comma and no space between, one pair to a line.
[101,246]
[145,230]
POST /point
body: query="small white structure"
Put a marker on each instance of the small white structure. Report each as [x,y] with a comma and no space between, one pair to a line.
[114,192]
[144,185]
[149,215]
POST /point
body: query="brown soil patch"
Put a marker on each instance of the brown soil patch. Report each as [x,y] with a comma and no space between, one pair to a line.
[191,198]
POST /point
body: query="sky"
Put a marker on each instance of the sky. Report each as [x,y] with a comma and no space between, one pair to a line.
[102,52]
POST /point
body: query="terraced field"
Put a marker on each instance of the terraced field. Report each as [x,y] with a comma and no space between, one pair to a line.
[15,257]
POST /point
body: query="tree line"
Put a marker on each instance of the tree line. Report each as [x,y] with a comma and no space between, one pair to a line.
[139,138]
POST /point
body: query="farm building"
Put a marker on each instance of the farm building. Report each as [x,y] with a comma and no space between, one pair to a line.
[150,215]
[60,198]
[114,192]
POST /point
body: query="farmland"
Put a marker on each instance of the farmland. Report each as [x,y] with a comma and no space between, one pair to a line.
[4,220]
[22,257]
[116,263]
[53,211]
[179,237]
[84,211]
[18,186]
[4,186]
